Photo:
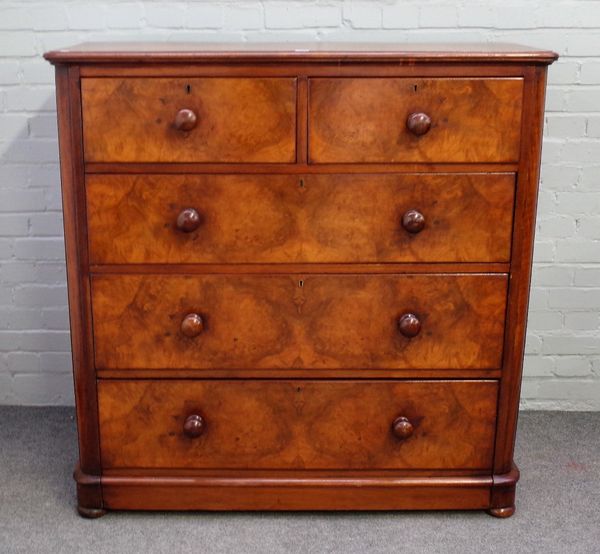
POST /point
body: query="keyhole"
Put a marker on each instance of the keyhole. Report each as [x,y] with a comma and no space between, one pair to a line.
[415,88]
[301,183]
[188,89]
[300,283]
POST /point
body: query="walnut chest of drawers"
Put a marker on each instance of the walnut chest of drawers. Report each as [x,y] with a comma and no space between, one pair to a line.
[298,277]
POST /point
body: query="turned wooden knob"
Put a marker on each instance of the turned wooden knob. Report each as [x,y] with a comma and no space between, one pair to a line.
[409,325]
[188,220]
[193,426]
[402,428]
[185,120]
[413,221]
[418,123]
[192,325]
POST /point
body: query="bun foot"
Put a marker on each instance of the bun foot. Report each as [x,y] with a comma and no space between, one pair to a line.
[502,512]
[90,513]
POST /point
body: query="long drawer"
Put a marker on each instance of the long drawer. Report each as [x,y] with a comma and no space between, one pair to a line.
[299,321]
[289,218]
[189,120]
[414,120]
[297,424]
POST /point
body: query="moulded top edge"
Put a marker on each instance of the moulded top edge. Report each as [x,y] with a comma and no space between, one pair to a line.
[333,52]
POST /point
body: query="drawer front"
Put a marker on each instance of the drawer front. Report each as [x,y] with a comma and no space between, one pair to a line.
[287,218]
[367,120]
[189,120]
[295,321]
[297,424]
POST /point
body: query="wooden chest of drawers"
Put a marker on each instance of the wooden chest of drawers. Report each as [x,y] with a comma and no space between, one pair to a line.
[298,278]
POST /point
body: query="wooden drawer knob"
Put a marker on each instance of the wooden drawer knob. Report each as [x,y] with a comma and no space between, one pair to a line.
[192,325]
[188,220]
[185,120]
[413,221]
[402,428]
[409,325]
[193,426]
[418,123]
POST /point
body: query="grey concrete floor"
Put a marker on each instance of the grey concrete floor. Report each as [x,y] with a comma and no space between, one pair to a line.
[558,504]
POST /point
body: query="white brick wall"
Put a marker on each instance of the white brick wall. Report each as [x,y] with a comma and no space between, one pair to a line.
[563,350]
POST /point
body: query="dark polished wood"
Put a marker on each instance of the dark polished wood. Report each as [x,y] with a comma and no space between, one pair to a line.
[418,123]
[185,120]
[508,511]
[90,513]
[298,277]
[188,220]
[193,426]
[192,325]
[409,325]
[402,428]
[413,221]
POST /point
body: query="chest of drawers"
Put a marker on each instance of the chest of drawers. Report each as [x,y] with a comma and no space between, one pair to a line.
[298,277]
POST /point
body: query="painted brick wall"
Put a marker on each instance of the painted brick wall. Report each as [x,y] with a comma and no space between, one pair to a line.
[563,349]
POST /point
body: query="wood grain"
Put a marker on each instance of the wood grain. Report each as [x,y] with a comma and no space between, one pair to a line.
[364,120]
[238,493]
[298,169]
[521,263]
[281,52]
[239,119]
[296,321]
[293,219]
[298,284]
[502,497]
[298,424]
[378,69]
[339,268]
[298,373]
[89,493]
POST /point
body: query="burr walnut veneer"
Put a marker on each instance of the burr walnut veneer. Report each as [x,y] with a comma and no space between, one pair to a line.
[298,276]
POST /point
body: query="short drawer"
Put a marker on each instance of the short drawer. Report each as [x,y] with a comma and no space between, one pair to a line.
[189,120]
[414,120]
[297,424]
[288,218]
[298,321]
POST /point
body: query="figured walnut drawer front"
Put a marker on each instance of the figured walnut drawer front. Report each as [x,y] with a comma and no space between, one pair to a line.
[189,120]
[414,120]
[293,321]
[297,424]
[288,218]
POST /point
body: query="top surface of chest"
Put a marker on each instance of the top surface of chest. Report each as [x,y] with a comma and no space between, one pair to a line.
[176,52]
